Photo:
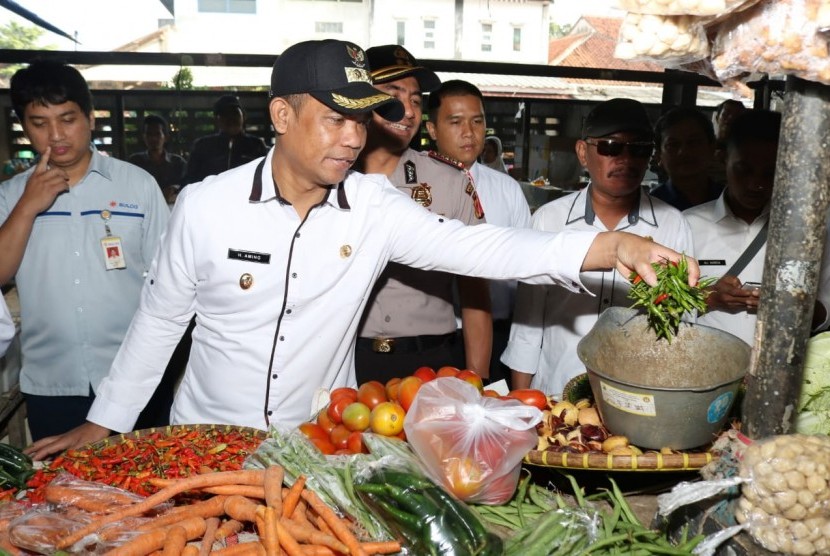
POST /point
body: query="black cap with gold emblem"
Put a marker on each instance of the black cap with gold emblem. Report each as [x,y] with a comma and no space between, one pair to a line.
[334,72]
[392,62]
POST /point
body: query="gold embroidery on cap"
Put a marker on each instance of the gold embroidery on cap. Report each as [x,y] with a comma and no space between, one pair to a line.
[358,103]
[357,75]
[345,251]
[246,281]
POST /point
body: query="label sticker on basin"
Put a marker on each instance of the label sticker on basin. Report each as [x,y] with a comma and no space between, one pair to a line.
[630,402]
[719,407]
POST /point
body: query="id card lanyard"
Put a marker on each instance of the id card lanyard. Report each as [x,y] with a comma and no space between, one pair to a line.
[111,246]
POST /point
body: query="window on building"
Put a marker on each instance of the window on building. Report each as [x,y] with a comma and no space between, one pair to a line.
[517,39]
[228,6]
[328,27]
[429,33]
[486,37]
[401,32]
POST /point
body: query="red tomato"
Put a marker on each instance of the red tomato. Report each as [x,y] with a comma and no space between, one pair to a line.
[339,436]
[344,391]
[530,396]
[407,391]
[313,430]
[372,393]
[355,443]
[356,416]
[447,371]
[335,409]
[471,377]
[464,477]
[325,421]
[387,419]
[425,373]
[392,386]
[324,445]
[490,394]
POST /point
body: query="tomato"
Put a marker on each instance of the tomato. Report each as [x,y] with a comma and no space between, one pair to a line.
[471,377]
[339,436]
[372,393]
[324,445]
[464,477]
[490,394]
[355,443]
[335,409]
[344,391]
[530,396]
[425,373]
[392,386]
[313,430]
[387,419]
[447,371]
[325,421]
[407,390]
[356,416]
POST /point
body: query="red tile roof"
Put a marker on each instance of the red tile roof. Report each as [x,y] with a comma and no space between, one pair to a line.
[591,44]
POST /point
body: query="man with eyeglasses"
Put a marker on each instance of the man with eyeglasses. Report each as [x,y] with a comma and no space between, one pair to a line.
[615,147]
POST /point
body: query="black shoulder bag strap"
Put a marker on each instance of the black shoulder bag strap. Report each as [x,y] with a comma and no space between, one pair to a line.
[750,251]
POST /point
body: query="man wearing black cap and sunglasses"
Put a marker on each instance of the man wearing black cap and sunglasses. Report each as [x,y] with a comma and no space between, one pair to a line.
[276,260]
[615,148]
[410,320]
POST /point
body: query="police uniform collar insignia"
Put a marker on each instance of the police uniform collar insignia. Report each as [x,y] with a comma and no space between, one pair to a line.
[446,160]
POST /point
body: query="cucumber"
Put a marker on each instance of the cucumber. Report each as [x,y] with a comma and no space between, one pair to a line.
[16,466]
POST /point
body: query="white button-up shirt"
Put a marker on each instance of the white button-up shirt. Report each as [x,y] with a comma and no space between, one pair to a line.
[549,322]
[720,238]
[7,329]
[504,204]
[260,353]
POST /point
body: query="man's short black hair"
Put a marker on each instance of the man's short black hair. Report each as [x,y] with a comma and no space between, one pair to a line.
[753,125]
[151,119]
[728,102]
[681,114]
[453,87]
[49,83]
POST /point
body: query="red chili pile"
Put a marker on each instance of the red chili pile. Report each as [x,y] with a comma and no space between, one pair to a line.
[171,453]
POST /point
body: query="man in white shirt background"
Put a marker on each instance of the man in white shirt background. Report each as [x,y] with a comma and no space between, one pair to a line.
[457,124]
[615,147]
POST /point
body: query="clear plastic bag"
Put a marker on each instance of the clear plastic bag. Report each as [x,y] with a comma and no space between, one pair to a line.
[785,37]
[470,444]
[665,39]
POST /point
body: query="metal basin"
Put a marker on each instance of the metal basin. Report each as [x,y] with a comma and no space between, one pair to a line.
[660,394]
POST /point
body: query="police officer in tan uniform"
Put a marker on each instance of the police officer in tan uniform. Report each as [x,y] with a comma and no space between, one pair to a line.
[410,321]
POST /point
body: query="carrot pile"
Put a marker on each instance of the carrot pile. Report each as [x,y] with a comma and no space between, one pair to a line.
[287,521]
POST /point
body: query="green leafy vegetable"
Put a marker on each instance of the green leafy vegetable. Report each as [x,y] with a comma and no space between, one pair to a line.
[671,298]
[813,415]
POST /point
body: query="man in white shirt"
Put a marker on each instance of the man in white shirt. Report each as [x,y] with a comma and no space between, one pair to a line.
[460,102]
[724,229]
[548,322]
[7,330]
[279,282]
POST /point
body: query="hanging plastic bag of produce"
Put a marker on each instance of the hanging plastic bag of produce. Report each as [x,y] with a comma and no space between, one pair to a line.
[470,444]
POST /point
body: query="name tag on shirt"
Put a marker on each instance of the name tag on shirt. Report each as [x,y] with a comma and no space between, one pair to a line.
[711,262]
[113,253]
[250,256]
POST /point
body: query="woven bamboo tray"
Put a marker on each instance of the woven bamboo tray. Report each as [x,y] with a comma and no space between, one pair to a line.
[580,388]
[604,462]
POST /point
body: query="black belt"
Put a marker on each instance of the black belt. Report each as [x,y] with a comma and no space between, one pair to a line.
[406,344]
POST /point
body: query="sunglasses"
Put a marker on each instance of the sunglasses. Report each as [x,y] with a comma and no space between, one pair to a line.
[610,147]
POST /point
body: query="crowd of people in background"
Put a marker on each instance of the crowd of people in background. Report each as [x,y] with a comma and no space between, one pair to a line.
[344,251]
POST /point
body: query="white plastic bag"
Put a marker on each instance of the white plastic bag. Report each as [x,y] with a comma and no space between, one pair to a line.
[472,445]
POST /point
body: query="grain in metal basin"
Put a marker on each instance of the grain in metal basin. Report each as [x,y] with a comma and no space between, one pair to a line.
[662,394]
